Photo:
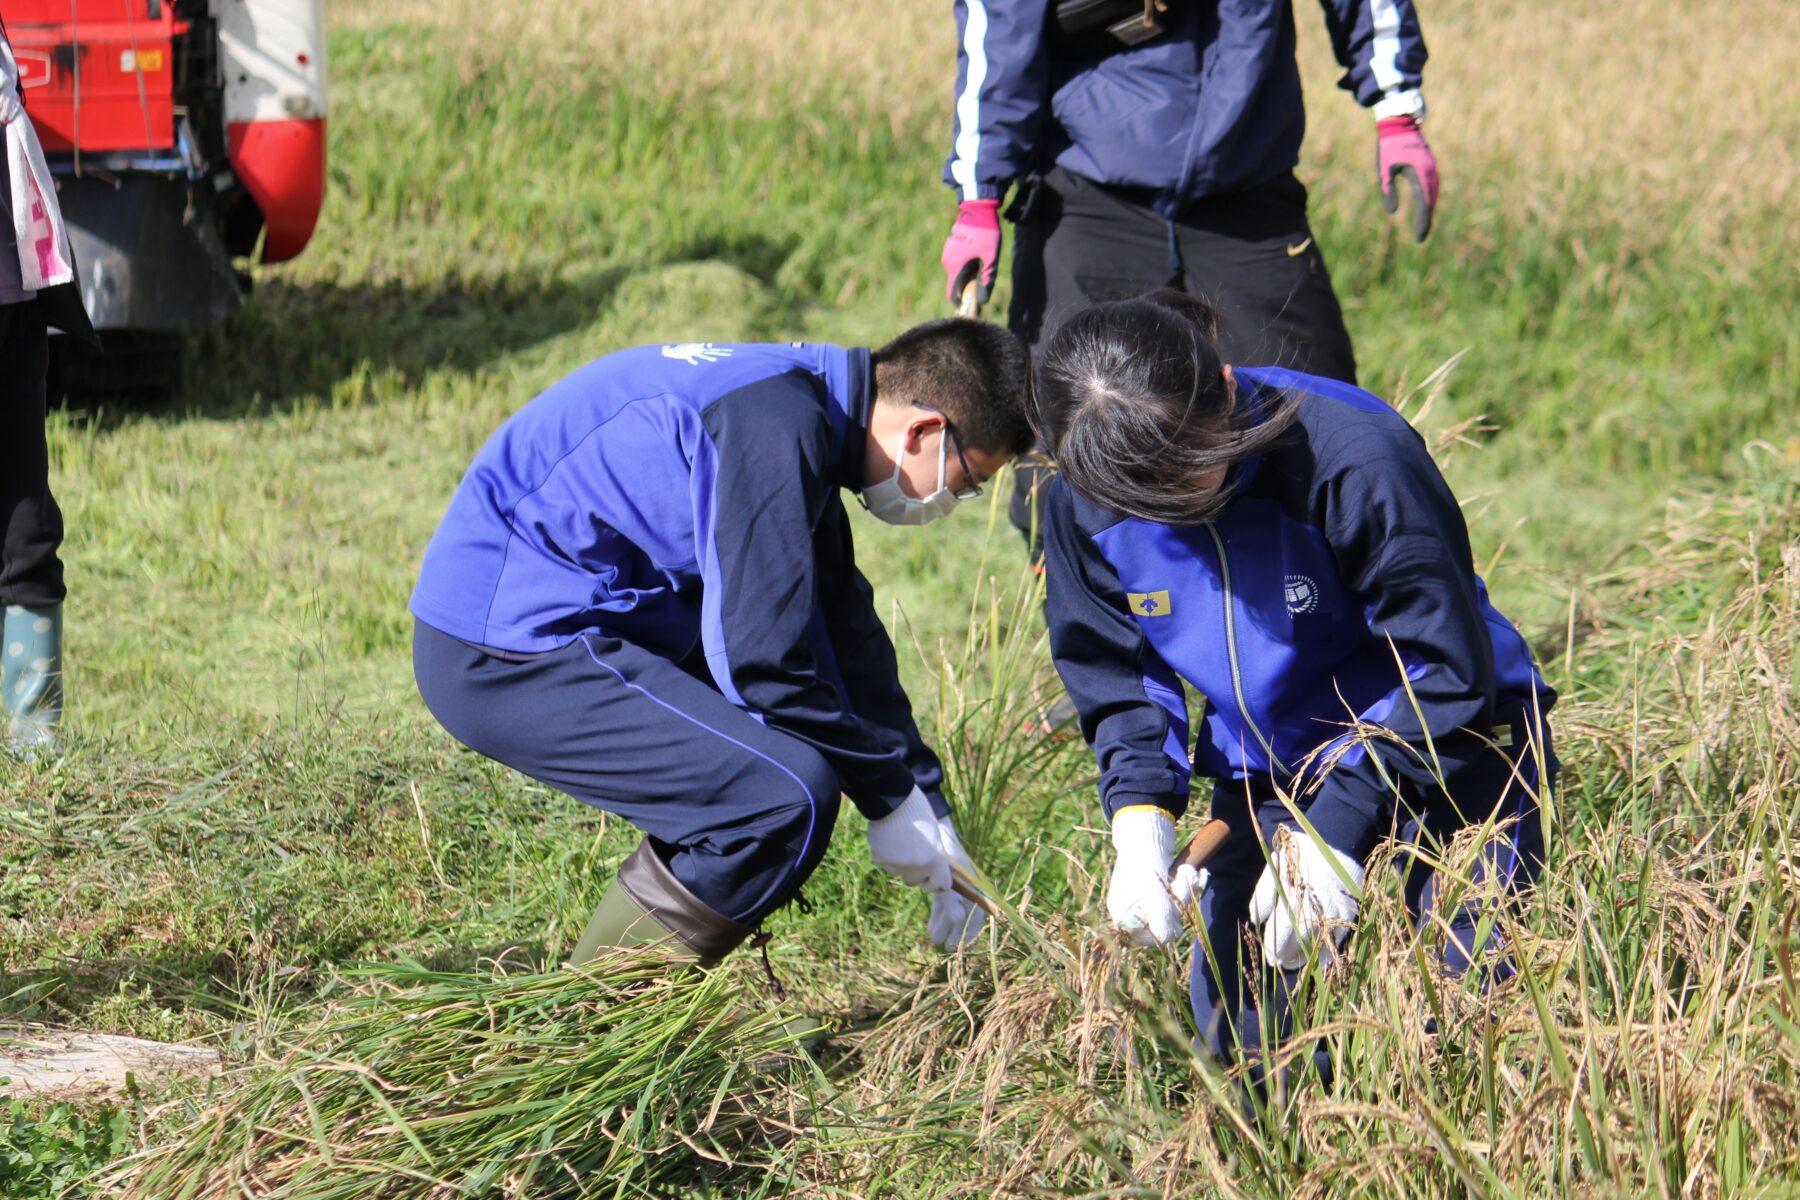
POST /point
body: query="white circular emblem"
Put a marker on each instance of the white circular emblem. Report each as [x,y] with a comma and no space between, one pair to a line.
[1301,595]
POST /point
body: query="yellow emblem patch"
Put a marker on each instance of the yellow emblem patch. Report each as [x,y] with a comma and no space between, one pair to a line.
[1148,604]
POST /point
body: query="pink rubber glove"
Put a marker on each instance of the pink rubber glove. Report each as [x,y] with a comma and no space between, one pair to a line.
[1400,150]
[973,249]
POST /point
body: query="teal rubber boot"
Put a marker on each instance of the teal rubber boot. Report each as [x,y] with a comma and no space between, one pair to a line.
[31,685]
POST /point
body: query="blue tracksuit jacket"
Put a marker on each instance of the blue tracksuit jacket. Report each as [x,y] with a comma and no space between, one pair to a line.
[683,497]
[1210,106]
[1342,560]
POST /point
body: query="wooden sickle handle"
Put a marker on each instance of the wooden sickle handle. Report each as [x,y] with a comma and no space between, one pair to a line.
[971,299]
[962,885]
[1205,844]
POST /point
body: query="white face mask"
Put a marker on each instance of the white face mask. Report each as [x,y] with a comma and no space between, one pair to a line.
[889,503]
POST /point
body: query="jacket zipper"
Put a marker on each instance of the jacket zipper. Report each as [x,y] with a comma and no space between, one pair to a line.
[1231,653]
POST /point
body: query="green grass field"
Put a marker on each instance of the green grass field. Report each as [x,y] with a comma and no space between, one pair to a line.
[260,840]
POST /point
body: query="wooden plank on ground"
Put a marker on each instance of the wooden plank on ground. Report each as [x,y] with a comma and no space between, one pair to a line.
[67,1064]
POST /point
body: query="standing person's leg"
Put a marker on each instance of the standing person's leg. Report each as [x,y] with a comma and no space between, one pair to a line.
[1253,255]
[1077,243]
[31,532]
[736,815]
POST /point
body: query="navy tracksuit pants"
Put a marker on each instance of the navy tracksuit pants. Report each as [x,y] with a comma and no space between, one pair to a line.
[741,813]
[1240,1004]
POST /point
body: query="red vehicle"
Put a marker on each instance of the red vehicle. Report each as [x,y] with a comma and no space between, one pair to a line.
[183,134]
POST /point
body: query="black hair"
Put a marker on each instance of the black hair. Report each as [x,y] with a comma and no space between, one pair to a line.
[977,374]
[1133,406]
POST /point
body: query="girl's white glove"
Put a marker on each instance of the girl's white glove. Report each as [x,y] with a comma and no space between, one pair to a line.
[1299,894]
[1142,899]
[907,845]
[954,921]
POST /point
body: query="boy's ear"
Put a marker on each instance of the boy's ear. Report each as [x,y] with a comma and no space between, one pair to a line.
[921,425]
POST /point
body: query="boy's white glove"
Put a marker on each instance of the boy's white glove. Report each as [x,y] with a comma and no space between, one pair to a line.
[907,845]
[954,921]
[1299,894]
[1142,899]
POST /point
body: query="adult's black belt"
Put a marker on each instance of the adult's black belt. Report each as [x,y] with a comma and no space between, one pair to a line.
[1101,26]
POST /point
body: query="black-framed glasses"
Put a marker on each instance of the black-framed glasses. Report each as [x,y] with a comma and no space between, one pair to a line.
[970,489]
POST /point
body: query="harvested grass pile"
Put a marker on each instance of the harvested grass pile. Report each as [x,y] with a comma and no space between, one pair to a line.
[442,1084]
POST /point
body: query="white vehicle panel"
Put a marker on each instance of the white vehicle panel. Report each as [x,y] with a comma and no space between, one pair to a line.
[273,55]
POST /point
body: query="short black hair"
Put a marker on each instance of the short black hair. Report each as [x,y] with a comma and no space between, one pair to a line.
[976,373]
[1132,405]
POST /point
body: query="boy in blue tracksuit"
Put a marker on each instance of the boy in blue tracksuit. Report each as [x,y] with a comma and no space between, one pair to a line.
[644,594]
[1155,146]
[1284,545]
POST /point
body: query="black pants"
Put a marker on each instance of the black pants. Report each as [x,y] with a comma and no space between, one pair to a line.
[1251,254]
[31,525]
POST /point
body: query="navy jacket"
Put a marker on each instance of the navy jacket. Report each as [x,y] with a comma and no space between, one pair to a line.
[1280,614]
[683,497]
[1210,106]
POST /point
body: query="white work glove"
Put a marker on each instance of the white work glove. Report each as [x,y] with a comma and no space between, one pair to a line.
[907,845]
[1142,899]
[1299,894]
[954,921]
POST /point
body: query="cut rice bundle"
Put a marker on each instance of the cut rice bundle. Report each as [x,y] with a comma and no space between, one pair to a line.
[615,1077]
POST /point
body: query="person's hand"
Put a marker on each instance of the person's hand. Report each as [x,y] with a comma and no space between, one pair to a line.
[1142,899]
[954,921]
[908,845]
[972,251]
[1302,893]
[1401,152]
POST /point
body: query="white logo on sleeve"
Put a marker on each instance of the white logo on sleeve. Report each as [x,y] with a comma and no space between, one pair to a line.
[1301,594]
[695,353]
